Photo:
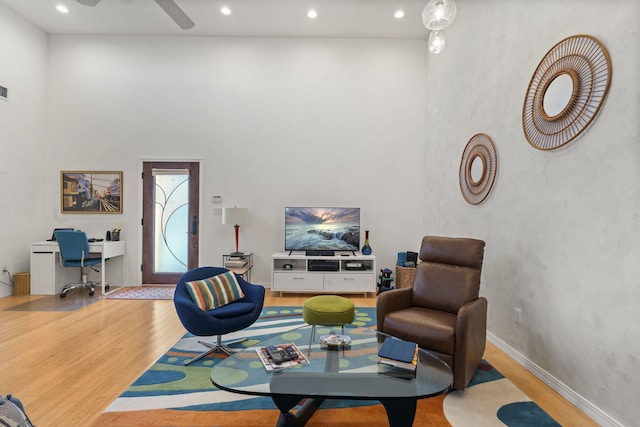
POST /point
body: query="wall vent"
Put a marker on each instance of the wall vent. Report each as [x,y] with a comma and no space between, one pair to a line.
[4,93]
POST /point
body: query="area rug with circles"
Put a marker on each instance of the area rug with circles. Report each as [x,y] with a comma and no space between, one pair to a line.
[171,394]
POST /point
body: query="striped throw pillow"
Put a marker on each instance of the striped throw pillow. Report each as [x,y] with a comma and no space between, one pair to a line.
[216,291]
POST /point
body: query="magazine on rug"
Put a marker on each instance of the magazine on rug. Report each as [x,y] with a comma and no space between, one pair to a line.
[277,357]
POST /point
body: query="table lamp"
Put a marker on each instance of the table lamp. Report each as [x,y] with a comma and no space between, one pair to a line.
[235,216]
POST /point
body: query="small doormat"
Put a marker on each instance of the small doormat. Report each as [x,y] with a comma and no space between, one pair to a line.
[144,292]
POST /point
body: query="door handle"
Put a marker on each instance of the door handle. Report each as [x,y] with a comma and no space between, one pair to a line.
[194,225]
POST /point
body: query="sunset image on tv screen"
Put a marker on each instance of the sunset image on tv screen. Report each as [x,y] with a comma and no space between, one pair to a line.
[334,229]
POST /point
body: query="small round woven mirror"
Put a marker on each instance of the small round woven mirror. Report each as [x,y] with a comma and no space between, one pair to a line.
[478,168]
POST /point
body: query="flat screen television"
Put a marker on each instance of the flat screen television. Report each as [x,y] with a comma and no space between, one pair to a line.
[317,229]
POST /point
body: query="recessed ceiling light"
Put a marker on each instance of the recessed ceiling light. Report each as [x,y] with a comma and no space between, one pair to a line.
[399,14]
[312,14]
[62,8]
[225,10]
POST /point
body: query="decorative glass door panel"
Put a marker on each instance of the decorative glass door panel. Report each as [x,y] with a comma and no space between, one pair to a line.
[171,221]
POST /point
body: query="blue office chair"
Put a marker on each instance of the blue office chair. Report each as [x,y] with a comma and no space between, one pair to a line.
[229,318]
[74,252]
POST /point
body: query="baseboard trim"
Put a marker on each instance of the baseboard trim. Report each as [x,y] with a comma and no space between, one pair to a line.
[558,386]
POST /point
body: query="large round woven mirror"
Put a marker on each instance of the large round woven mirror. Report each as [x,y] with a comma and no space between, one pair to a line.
[566,92]
[478,168]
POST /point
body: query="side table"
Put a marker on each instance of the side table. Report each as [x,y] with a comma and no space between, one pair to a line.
[239,264]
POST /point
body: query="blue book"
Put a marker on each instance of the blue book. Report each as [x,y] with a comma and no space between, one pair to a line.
[397,349]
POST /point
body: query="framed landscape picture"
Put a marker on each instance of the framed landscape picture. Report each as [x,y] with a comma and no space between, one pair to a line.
[91,192]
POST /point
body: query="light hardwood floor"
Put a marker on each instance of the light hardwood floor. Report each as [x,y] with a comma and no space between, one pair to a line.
[67,367]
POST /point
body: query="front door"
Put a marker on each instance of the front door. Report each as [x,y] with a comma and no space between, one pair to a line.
[170,224]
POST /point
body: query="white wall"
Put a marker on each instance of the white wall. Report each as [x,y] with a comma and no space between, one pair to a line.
[277,122]
[23,71]
[561,227]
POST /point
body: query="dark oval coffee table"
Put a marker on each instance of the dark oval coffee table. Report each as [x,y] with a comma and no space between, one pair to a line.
[334,372]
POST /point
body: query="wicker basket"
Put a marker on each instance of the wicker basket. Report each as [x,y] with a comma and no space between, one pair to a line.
[22,284]
[405,276]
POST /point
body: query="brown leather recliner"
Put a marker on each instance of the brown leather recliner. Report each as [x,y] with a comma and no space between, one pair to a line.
[443,311]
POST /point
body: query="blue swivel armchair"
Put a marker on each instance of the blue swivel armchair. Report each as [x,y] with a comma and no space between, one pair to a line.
[74,253]
[232,317]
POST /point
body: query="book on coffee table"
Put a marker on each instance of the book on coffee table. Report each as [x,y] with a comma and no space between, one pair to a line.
[399,353]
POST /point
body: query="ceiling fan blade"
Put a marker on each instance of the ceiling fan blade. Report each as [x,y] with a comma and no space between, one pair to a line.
[174,11]
[88,2]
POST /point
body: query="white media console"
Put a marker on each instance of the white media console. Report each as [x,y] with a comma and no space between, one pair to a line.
[323,274]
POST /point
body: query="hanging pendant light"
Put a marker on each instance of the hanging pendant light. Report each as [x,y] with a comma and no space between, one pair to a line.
[439,14]
[436,42]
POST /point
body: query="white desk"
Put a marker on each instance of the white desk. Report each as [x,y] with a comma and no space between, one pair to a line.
[48,276]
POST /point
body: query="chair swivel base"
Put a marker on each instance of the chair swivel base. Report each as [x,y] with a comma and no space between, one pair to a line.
[215,348]
[89,285]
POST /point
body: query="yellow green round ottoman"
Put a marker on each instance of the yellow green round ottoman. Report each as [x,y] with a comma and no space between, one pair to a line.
[327,310]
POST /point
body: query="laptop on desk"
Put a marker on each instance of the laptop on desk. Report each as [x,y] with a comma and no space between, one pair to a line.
[53,235]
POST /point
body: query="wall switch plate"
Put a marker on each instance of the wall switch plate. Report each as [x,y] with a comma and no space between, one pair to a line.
[518,312]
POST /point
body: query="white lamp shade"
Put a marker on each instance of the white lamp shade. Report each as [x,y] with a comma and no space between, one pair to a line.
[234,216]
